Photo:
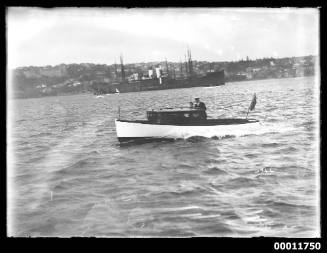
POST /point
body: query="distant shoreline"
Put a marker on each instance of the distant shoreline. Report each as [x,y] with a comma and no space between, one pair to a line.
[89,92]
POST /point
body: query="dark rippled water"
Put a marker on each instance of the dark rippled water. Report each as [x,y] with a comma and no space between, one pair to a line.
[68,175]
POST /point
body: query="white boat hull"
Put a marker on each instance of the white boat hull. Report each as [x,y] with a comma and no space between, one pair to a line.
[132,130]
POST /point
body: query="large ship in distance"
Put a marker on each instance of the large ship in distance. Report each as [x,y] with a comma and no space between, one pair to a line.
[157,79]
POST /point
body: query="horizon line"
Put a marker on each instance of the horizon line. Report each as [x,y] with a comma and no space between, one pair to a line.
[27,66]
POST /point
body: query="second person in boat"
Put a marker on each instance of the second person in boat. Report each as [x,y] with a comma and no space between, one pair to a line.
[200,106]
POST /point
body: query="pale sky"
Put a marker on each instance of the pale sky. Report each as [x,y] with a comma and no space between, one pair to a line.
[38,37]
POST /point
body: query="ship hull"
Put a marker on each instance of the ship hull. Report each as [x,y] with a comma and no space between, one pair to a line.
[137,130]
[213,79]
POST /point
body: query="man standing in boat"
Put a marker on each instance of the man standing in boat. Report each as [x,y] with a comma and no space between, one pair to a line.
[200,106]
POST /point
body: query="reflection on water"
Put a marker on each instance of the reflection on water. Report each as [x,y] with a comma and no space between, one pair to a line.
[71,177]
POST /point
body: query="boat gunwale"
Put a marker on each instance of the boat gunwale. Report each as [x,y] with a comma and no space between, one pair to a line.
[208,122]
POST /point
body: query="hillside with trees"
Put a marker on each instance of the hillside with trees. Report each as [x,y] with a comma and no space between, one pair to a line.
[78,78]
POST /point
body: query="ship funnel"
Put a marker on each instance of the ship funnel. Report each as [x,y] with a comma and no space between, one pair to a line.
[151,73]
[158,71]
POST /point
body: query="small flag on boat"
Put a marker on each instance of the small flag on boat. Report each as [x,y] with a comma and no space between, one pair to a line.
[252,105]
[253,102]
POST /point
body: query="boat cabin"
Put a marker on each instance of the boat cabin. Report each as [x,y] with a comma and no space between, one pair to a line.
[164,116]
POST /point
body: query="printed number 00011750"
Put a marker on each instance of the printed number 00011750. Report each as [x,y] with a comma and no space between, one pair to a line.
[297,245]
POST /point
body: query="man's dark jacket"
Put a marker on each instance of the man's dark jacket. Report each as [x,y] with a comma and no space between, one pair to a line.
[201,106]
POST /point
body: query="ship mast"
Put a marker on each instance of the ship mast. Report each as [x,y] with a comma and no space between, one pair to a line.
[122,68]
[181,68]
[174,73]
[167,69]
[186,67]
[190,64]
[116,73]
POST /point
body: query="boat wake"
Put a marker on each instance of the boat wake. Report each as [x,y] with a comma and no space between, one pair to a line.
[55,160]
[228,131]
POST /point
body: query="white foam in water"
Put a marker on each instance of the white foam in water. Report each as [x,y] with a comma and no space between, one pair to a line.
[56,159]
[258,128]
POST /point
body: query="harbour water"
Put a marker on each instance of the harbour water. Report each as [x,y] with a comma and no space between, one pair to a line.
[68,175]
